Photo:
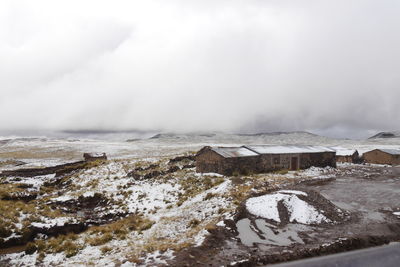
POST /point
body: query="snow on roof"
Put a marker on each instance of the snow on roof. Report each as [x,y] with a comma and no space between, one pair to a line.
[232,152]
[341,151]
[289,149]
[390,151]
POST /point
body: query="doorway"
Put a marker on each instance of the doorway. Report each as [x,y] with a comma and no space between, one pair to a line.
[294,164]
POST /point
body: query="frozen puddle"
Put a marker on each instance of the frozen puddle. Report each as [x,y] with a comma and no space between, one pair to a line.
[268,234]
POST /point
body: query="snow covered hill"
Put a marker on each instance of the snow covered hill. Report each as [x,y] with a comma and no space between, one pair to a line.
[391,134]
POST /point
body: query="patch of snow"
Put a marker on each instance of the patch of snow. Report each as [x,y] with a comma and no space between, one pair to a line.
[150,196]
[326,172]
[62,198]
[12,236]
[127,264]
[221,223]
[377,165]
[88,194]
[54,259]
[60,221]
[20,259]
[312,172]
[266,206]
[233,263]
[200,237]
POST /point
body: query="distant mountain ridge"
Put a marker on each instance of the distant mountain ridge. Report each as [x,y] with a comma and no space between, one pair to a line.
[391,134]
[215,134]
[175,135]
[276,133]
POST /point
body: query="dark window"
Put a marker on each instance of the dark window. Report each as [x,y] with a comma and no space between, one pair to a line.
[277,160]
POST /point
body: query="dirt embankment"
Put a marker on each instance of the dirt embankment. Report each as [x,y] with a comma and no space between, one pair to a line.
[59,170]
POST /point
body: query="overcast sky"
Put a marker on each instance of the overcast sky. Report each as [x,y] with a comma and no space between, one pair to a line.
[269,65]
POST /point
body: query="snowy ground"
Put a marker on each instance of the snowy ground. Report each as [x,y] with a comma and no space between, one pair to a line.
[150,219]
[180,209]
[42,151]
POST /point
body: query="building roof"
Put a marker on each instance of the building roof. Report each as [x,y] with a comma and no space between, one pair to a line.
[288,149]
[390,151]
[233,152]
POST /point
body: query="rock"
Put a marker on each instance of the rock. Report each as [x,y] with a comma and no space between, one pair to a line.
[173,169]
[134,175]
[151,166]
[188,166]
[182,158]
[153,174]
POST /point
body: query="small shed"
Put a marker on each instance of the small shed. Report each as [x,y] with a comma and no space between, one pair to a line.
[226,160]
[344,155]
[94,156]
[383,156]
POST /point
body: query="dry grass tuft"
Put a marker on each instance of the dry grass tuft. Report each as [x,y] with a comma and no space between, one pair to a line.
[100,235]
[63,243]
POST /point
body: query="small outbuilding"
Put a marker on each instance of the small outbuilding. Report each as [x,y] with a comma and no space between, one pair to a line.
[382,156]
[344,155]
[262,158]
[94,156]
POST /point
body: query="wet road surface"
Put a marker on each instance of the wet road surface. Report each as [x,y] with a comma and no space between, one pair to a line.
[385,256]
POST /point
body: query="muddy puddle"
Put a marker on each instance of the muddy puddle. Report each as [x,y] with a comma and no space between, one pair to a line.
[264,233]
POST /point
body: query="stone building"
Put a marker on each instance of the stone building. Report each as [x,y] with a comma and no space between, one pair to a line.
[262,158]
[382,156]
[226,160]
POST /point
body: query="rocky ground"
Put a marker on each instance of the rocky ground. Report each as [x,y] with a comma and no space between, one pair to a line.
[157,212]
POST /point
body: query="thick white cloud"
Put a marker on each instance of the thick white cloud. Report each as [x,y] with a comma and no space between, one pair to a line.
[200,65]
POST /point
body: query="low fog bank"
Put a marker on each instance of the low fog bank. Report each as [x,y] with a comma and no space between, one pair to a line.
[133,135]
